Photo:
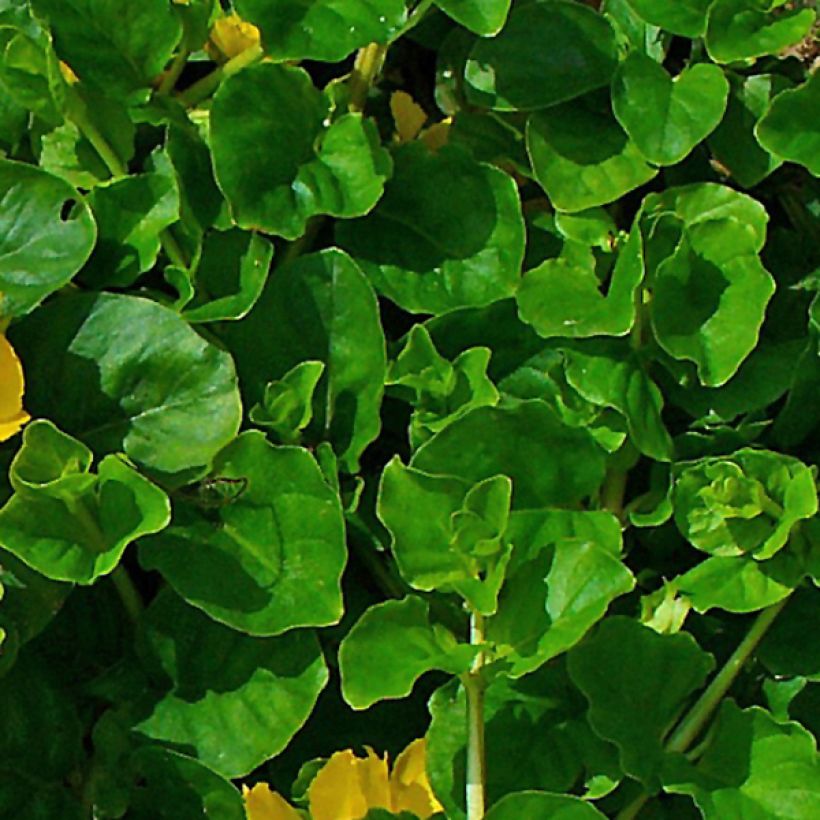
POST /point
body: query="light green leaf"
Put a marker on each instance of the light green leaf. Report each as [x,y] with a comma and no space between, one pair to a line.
[145,391]
[484,17]
[448,233]
[789,130]
[565,571]
[391,646]
[267,559]
[130,213]
[549,51]
[746,503]
[582,157]
[594,227]
[320,308]
[550,464]
[46,234]
[288,162]
[666,117]
[234,700]
[636,682]
[117,48]
[684,17]
[740,584]
[287,406]
[755,766]
[562,296]
[733,142]
[67,523]
[327,30]
[743,29]
[543,804]
[230,276]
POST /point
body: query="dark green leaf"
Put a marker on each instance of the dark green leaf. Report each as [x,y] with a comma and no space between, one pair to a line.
[543,804]
[124,373]
[684,17]
[549,51]
[235,701]
[270,558]
[391,646]
[325,30]
[447,234]
[288,162]
[485,17]
[46,234]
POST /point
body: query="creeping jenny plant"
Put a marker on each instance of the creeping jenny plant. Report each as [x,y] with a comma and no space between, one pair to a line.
[437,375]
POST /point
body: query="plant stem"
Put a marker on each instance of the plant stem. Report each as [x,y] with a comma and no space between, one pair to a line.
[697,717]
[176,68]
[131,600]
[202,89]
[612,492]
[366,68]
[474,689]
[702,710]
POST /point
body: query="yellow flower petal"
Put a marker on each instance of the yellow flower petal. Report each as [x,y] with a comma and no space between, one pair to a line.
[347,787]
[231,35]
[68,73]
[12,415]
[408,115]
[263,804]
[409,787]
[436,136]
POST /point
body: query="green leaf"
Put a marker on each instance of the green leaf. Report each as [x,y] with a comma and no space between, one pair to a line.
[327,30]
[636,682]
[146,390]
[234,700]
[320,308]
[743,29]
[562,297]
[665,117]
[608,373]
[684,17]
[565,571]
[582,157]
[113,47]
[788,648]
[288,162]
[733,141]
[744,504]
[740,584]
[548,52]
[711,292]
[594,227]
[172,785]
[230,277]
[755,766]
[269,558]
[130,213]
[789,131]
[46,234]
[448,233]
[550,464]
[391,646]
[287,406]
[484,17]
[67,523]
[543,804]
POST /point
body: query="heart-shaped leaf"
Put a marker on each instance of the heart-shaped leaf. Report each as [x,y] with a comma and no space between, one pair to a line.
[666,118]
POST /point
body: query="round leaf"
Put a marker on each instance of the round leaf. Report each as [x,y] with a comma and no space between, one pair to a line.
[268,560]
[46,234]
[549,51]
[448,233]
[235,700]
[124,373]
[665,117]
[684,17]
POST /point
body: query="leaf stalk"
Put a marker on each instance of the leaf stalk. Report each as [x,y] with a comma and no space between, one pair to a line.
[476,758]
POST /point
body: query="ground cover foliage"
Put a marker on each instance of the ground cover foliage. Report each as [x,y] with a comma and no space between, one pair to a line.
[374,372]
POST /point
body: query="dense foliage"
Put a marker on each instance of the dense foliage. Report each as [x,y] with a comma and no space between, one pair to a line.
[372,373]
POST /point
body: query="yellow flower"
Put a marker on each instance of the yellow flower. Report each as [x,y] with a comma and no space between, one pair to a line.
[347,787]
[230,36]
[12,415]
[409,118]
